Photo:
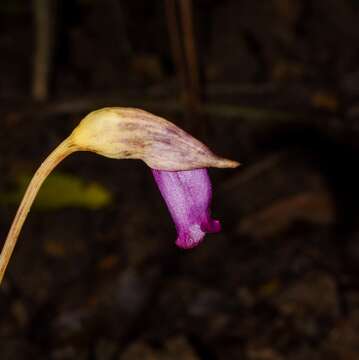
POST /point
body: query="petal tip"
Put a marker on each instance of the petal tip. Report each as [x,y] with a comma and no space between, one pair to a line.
[190,238]
[213,226]
[226,163]
[196,233]
[183,244]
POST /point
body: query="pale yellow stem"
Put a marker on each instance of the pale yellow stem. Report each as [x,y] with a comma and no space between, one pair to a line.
[63,150]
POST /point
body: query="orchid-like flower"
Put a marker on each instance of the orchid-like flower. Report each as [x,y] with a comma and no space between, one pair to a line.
[178,161]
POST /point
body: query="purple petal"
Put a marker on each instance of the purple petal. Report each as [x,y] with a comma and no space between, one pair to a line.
[188,196]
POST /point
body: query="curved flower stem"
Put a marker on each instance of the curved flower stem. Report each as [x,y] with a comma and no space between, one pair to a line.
[62,151]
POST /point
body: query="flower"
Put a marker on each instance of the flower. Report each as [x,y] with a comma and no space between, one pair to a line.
[177,159]
[178,162]
[188,196]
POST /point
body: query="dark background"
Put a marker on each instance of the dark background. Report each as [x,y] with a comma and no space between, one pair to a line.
[273,84]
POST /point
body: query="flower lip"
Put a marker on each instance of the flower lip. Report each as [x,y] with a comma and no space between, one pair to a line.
[188,197]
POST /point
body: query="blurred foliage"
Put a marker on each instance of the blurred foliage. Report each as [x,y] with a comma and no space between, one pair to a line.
[60,191]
